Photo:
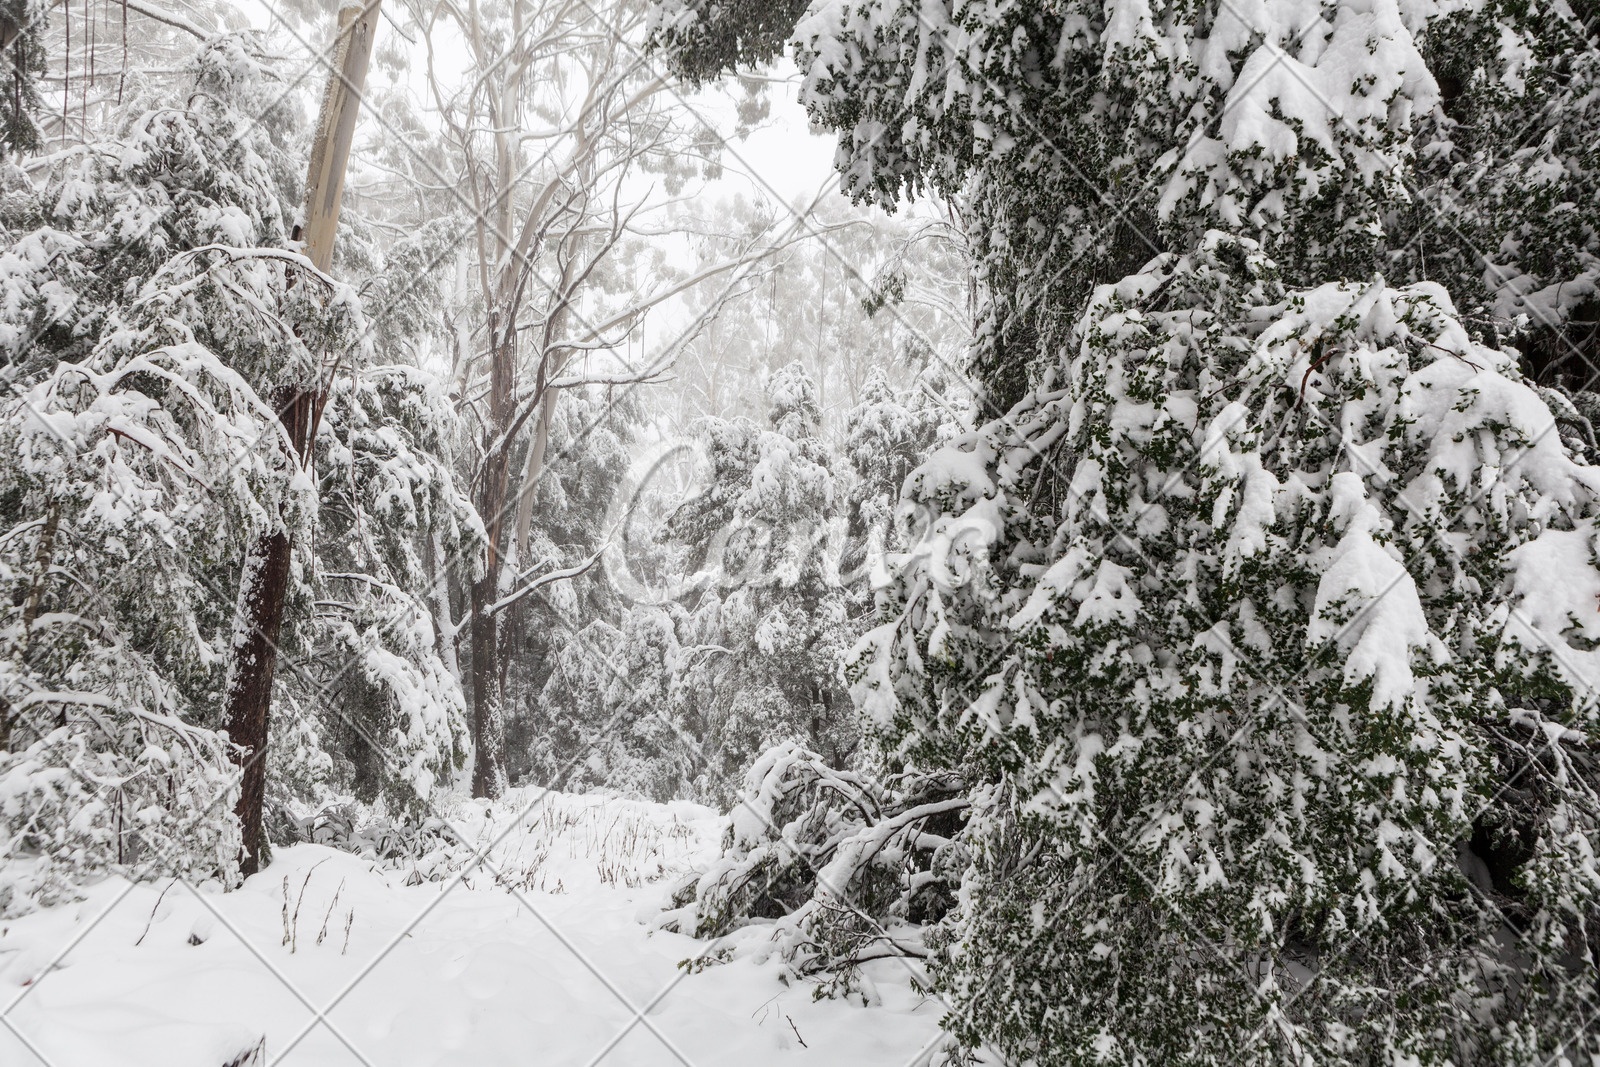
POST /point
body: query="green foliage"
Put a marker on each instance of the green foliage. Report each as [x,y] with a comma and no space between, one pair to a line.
[1240,657]
[1260,614]
[741,33]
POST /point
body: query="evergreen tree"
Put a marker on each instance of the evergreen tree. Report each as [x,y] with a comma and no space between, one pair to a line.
[372,671]
[1243,664]
[1257,615]
[146,313]
[548,631]
[887,435]
[1426,141]
[689,691]
[150,308]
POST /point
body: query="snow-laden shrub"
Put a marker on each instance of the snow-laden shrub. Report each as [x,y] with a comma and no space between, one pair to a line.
[681,697]
[831,868]
[608,710]
[126,786]
[592,441]
[1508,173]
[425,847]
[1268,627]
[134,474]
[374,669]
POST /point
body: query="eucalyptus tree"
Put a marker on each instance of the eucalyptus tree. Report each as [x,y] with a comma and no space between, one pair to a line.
[557,133]
[149,316]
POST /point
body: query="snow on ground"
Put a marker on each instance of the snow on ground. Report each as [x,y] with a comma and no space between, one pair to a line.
[182,977]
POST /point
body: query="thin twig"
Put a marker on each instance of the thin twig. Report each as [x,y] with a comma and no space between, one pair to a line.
[152,918]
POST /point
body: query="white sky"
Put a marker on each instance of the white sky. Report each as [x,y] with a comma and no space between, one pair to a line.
[791,158]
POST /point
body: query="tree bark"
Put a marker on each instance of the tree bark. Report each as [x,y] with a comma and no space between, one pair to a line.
[488,667]
[488,673]
[263,589]
[488,710]
[532,473]
[264,583]
[444,625]
[258,620]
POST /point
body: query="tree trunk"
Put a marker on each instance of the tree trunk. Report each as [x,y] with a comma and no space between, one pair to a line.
[444,623]
[258,620]
[264,588]
[531,475]
[488,698]
[488,673]
[264,583]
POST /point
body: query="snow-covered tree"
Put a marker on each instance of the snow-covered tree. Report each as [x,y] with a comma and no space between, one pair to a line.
[22,24]
[547,630]
[747,651]
[1259,612]
[377,669]
[1246,658]
[1509,168]
[606,714]
[1427,140]
[146,310]
[150,310]
[775,619]
[887,435]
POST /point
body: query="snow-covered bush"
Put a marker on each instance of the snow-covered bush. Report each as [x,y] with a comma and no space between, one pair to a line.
[1265,606]
[547,633]
[677,699]
[376,671]
[608,706]
[887,436]
[771,628]
[425,847]
[1508,173]
[830,867]
[98,767]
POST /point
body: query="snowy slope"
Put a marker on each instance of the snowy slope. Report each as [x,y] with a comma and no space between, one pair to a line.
[174,976]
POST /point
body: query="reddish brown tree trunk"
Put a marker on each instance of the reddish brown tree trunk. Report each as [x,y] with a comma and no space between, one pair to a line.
[264,584]
[258,620]
[263,591]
